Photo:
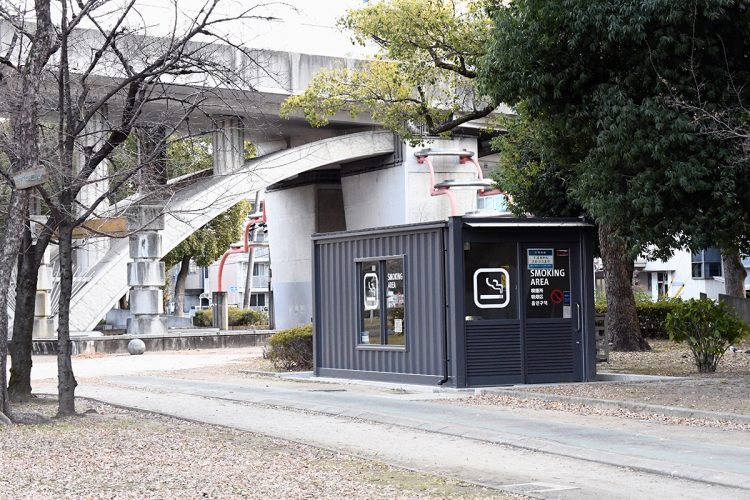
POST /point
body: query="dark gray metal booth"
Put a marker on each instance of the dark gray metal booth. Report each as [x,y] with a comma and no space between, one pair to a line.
[468,302]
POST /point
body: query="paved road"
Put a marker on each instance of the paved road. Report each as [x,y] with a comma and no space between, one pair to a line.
[545,454]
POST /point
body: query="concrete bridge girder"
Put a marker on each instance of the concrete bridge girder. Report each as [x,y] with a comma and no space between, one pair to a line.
[193,206]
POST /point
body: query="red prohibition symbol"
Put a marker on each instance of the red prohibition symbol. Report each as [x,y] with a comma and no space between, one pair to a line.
[556,296]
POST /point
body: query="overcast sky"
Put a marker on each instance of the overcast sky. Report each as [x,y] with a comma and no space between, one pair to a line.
[306,25]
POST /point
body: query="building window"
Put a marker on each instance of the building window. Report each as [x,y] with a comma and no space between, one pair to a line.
[382,302]
[258,300]
[662,284]
[496,202]
[707,263]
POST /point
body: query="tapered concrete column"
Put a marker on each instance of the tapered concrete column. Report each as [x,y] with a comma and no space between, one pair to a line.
[146,272]
[228,145]
[91,139]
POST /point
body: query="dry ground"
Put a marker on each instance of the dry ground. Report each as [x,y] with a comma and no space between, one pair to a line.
[725,391]
[671,359]
[115,453]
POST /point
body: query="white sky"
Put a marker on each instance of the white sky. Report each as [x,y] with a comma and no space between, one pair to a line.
[307,26]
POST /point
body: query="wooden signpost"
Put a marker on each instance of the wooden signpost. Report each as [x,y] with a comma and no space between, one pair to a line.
[115,226]
[31,177]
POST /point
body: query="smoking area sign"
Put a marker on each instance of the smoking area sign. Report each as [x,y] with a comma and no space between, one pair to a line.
[491,288]
[540,258]
[371,291]
[548,283]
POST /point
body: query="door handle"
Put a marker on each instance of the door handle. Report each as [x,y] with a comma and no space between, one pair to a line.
[579,319]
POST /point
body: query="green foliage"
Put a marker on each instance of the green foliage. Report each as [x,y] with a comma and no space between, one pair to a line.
[188,155]
[527,171]
[246,317]
[237,317]
[423,76]
[291,349]
[617,85]
[185,155]
[708,328]
[210,242]
[203,318]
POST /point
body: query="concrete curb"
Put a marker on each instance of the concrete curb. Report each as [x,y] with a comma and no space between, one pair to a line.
[670,411]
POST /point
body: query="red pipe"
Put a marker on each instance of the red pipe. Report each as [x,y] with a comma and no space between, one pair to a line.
[244,249]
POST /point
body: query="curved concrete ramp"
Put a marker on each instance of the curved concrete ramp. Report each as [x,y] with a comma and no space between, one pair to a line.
[195,205]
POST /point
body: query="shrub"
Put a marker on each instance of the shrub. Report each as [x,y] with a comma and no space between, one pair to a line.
[709,328]
[237,317]
[203,318]
[246,317]
[291,349]
[651,316]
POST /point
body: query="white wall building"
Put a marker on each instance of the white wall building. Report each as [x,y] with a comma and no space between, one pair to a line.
[686,275]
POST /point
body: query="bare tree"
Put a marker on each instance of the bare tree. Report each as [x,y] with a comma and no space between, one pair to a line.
[113,71]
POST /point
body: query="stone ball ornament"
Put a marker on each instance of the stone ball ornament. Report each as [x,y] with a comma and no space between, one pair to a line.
[136,346]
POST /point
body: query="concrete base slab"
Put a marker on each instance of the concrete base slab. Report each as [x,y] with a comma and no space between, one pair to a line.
[147,325]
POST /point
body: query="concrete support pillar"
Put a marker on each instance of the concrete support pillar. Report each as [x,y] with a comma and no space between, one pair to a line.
[291,221]
[220,310]
[92,250]
[152,158]
[228,145]
[146,272]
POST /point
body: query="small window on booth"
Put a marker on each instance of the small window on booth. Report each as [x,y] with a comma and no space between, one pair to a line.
[382,302]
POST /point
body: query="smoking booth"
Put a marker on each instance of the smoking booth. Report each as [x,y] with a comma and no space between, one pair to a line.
[467,302]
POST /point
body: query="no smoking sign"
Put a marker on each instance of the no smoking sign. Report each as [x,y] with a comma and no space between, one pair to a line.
[556,296]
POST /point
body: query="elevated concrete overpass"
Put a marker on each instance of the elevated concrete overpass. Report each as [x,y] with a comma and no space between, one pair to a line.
[194,205]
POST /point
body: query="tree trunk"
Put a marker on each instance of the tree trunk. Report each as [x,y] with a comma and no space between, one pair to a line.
[179,287]
[734,273]
[621,322]
[19,387]
[11,243]
[66,381]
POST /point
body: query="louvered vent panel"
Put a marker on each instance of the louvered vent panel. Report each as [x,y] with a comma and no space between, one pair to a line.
[493,350]
[549,348]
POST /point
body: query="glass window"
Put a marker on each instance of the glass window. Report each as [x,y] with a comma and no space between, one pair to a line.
[547,274]
[258,300]
[662,283]
[383,304]
[706,263]
[496,202]
[370,282]
[395,328]
[490,287]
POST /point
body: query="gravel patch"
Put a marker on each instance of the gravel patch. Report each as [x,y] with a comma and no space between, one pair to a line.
[724,395]
[513,402]
[671,359]
[115,453]
[725,391]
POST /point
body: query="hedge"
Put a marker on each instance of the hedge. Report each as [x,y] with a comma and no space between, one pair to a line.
[291,349]
[651,316]
[237,317]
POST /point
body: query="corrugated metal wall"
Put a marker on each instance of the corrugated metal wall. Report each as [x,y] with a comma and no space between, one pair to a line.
[337,305]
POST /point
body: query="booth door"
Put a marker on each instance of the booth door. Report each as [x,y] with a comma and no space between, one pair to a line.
[551,312]
[493,326]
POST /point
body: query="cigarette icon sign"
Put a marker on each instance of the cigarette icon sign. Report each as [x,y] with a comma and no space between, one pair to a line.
[491,288]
